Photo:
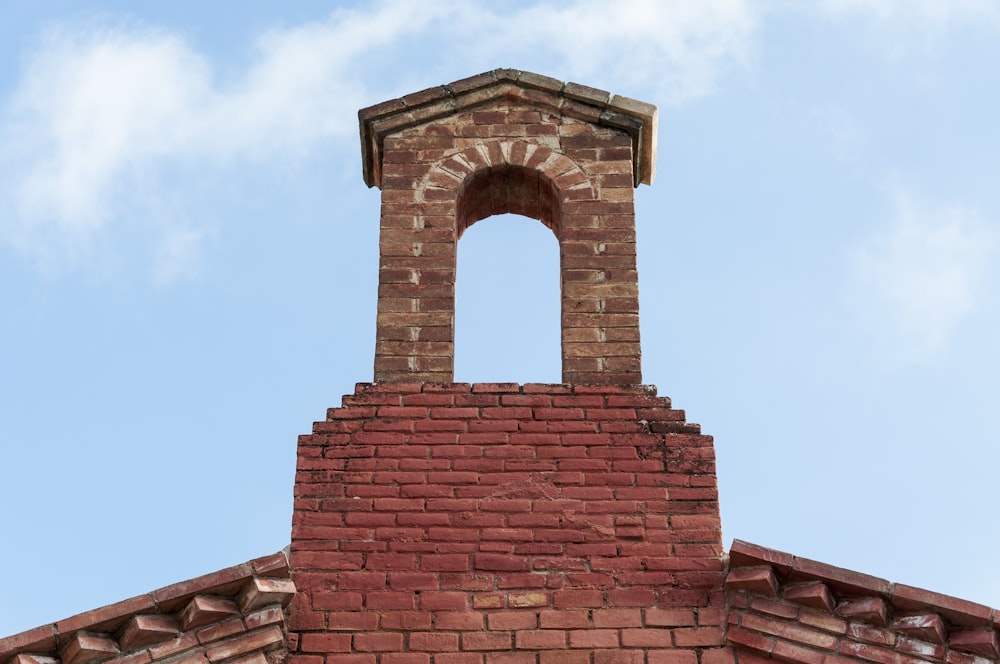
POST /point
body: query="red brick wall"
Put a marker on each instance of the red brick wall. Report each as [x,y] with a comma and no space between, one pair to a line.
[444,523]
[439,177]
[489,524]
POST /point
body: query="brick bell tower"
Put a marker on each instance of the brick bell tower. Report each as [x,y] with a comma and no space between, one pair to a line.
[448,523]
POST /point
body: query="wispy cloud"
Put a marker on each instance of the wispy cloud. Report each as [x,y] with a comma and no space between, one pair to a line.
[88,107]
[926,13]
[900,29]
[914,281]
[680,49]
[99,107]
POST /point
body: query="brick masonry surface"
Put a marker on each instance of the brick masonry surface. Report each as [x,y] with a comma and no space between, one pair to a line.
[489,523]
[496,144]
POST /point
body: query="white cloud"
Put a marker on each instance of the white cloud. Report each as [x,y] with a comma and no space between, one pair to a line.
[927,13]
[914,33]
[915,281]
[308,82]
[902,29]
[678,48]
[87,108]
[100,109]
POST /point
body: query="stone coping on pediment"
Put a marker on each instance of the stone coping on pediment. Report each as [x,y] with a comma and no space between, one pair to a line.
[636,118]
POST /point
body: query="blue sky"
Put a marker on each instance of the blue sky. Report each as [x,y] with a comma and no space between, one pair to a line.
[188,261]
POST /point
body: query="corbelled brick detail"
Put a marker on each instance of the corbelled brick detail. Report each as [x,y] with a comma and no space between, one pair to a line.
[798,610]
[233,616]
[489,523]
[508,142]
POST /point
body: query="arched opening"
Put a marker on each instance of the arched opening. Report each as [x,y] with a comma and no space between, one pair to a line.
[507,189]
[507,303]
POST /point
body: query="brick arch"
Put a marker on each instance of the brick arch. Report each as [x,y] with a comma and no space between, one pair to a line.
[507,189]
[504,177]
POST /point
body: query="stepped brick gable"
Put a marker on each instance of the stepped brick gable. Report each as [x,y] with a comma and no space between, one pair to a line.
[504,523]
[437,522]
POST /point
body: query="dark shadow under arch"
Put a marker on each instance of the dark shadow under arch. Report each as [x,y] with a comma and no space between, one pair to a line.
[507,189]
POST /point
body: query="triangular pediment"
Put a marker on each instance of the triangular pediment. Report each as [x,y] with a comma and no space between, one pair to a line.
[580,102]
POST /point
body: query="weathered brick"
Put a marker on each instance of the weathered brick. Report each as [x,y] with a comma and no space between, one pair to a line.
[539,639]
[698,636]
[405,658]
[433,641]
[350,658]
[790,631]
[593,638]
[673,656]
[486,640]
[617,617]
[458,658]
[324,643]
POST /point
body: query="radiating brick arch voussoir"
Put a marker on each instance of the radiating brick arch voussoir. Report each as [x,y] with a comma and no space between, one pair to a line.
[512,176]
